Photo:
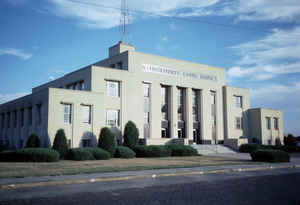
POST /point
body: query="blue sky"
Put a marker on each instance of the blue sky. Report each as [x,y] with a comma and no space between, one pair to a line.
[256,41]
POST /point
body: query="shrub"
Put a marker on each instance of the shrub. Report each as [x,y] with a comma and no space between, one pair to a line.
[255,140]
[60,143]
[290,140]
[30,155]
[152,151]
[124,152]
[107,141]
[248,148]
[182,150]
[79,154]
[131,135]
[33,141]
[270,156]
[291,148]
[98,153]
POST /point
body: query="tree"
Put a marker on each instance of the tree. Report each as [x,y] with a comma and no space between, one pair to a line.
[131,135]
[60,143]
[290,140]
[33,141]
[107,140]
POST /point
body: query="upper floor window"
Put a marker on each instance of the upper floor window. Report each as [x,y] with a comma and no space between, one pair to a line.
[8,120]
[238,100]
[276,123]
[22,118]
[113,118]
[268,123]
[30,116]
[86,114]
[120,65]
[15,118]
[239,123]
[67,110]
[39,114]
[113,88]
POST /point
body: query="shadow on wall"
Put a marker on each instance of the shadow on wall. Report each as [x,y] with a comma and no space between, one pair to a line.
[88,139]
[118,134]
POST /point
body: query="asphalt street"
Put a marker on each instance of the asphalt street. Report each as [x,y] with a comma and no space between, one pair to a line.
[238,188]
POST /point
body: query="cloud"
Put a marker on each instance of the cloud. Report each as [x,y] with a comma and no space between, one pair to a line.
[276,54]
[11,96]
[15,52]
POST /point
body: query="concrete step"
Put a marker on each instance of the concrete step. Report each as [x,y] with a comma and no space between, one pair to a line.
[213,149]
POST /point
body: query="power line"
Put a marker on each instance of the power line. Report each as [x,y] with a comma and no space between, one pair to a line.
[152,14]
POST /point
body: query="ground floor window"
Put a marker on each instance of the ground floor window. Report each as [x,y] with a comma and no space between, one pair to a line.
[113,118]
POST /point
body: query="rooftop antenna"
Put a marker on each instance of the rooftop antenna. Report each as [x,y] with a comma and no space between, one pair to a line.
[124,22]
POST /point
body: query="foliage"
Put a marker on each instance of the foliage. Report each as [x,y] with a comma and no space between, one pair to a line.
[248,148]
[131,135]
[124,152]
[290,140]
[152,151]
[30,155]
[33,141]
[182,150]
[80,154]
[291,148]
[98,153]
[107,141]
[270,156]
[255,140]
[60,143]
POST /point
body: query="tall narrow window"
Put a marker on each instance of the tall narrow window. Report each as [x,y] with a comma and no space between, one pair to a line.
[238,123]
[39,114]
[30,116]
[180,104]
[86,114]
[276,123]
[81,85]
[268,123]
[67,110]
[238,100]
[164,112]
[113,88]
[8,120]
[195,104]
[120,65]
[15,119]
[146,88]
[112,118]
[22,118]
[2,120]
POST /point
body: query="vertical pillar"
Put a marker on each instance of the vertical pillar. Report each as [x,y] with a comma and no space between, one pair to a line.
[155,111]
[206,128]
[173,117]
[189,114]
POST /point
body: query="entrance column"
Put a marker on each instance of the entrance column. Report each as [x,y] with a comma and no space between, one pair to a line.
[189,115]
[173,111]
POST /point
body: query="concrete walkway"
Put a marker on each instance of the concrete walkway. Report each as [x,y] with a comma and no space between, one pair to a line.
[29,182]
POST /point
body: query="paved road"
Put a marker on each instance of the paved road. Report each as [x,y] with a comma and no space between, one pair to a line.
[269,187]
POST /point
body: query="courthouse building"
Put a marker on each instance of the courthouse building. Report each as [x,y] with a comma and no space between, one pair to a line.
[169,100]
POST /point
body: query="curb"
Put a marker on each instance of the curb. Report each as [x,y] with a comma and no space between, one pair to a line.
[148,176]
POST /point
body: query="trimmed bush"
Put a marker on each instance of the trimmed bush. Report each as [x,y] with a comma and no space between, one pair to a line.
[33,141]
[107,141]
[270,156]
[80,154]
[182,150]
[290,140]
[291,148]
[131,135]
[98,153]
[152,151]
[248,148]
[255,140]
[60,143]
[30,155]
[124,152]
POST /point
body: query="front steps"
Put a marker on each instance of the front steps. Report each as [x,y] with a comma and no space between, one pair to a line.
[213,149]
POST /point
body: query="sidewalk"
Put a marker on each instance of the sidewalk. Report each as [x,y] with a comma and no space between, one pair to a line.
[29,182]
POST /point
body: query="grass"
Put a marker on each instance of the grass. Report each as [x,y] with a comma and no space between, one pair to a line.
[66,167]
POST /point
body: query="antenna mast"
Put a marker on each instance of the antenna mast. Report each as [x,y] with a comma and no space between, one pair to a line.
[124,22]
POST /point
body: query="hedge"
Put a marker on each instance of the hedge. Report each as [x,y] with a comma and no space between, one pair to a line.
[33,141]
[248,148]
[124,152]
[270,156]
[80,154]
[107,141]
[30,155]
[60,143]
[131,135]
[152,151]
[182,150]
[98,153]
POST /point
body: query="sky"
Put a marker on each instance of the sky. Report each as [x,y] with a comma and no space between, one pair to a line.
[256,41]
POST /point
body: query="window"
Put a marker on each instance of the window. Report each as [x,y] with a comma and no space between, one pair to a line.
[69,143]
[15,119]
[268,123]
[2,120]
[146,88]
[22,118]
[164,102]
[238,101]
[8,120]
[39,114]
[238,123]
[113,88]
[180,104]
[86,143]
[276,123]
[164,133]
[112,66]
[120,65]
[86,114]
[67,110]
[112,118]
[195,94]
[30,116]
[81,85]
